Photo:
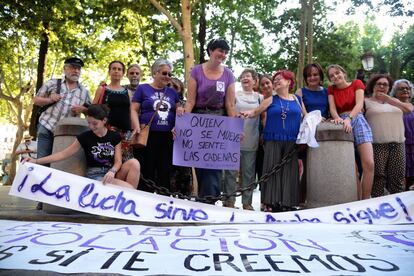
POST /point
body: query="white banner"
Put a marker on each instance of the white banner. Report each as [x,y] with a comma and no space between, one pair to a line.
[78,193]
[254,249]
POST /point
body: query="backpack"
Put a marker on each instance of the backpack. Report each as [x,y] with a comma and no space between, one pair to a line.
[38,110]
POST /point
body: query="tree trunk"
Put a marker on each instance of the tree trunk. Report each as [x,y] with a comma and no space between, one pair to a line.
[41,65]
[184,29]
[187,38]
[309,31]
[202,31]
[233,37]
[301,59]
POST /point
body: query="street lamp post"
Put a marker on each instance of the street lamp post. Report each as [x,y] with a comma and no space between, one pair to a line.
[367,60]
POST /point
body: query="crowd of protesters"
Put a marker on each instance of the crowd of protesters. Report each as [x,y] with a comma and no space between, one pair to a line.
[379,115]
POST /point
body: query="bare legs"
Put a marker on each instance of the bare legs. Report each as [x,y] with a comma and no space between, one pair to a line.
[128,175]
[367,160]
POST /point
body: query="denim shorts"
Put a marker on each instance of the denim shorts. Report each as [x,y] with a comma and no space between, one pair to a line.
[96,173]
[360,129]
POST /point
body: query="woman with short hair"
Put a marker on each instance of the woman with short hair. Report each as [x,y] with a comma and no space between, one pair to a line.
[403,90]
[211,90]
[284,112]
[159,99]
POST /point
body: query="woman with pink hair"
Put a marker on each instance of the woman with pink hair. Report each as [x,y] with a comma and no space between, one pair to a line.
[283,118]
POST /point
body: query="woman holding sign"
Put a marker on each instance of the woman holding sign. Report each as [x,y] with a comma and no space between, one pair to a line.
[103,152]
[162,101]
[211,90]
[281,191]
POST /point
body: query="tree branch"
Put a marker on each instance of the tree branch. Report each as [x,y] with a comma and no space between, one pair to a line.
[173,20]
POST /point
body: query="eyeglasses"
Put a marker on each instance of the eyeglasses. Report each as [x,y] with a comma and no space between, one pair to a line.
[406,89]
[383,84]
[165,73]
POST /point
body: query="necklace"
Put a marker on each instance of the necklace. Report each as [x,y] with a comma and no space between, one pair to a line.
[283,112]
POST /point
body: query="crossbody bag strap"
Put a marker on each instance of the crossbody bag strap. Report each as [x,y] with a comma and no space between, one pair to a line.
[101,97]
[156,110]
[300,106]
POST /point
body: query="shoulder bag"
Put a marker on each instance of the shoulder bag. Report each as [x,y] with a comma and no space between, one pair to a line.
[140,139]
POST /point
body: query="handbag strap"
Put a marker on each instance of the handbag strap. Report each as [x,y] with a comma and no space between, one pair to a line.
[156,110]
[101,97]
[300,106]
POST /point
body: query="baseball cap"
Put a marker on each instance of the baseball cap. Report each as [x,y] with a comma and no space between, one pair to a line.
[74,61]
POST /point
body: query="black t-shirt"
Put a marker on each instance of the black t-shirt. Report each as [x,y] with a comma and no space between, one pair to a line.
[119,103]
[99,151]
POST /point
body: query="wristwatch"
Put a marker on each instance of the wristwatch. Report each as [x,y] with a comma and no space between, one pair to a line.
[350,117]
[113,170]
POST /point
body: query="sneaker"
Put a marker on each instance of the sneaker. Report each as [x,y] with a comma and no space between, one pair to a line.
[248,207]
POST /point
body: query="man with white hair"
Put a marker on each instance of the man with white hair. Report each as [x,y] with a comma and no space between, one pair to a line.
[64,98]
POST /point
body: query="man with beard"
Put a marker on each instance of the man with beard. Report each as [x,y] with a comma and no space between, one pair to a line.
[134,74]
[70,100]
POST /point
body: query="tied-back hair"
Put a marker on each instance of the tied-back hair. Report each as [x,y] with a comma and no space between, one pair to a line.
[219,43]
[98,111]
[338,67]
[373,80]
[117,61]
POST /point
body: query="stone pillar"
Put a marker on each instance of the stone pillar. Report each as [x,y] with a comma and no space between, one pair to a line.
[65,133]
[331,177]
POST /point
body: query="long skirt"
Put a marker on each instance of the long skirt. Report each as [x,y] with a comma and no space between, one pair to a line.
[283,187]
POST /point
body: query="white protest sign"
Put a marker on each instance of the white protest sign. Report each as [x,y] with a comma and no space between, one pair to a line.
[78,193]
[254,249]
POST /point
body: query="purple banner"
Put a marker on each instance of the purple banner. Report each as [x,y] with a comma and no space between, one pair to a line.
[207,141]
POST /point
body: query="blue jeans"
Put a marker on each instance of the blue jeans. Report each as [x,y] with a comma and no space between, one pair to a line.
[96,173]
[44,142]
[209,182]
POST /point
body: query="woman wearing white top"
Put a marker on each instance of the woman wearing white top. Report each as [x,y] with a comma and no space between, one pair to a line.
[246,99]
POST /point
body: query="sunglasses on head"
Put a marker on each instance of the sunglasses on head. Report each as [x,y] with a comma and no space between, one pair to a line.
[165,73]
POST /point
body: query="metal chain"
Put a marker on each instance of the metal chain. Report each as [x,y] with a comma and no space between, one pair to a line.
[223,196]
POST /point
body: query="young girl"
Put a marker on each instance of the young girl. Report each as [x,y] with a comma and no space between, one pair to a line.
[346,100]
[102,149]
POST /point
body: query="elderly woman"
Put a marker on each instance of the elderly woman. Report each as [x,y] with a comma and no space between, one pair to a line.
[385,116]
[403,90]
[160,100]
[116,97]
[281,191]
[346,100]
[246,99]
[211,90]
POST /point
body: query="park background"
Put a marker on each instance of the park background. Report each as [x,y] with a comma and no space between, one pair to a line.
[36,36]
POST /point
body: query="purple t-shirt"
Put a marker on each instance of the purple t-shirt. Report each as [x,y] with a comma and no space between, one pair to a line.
[148,97]
[211,93]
